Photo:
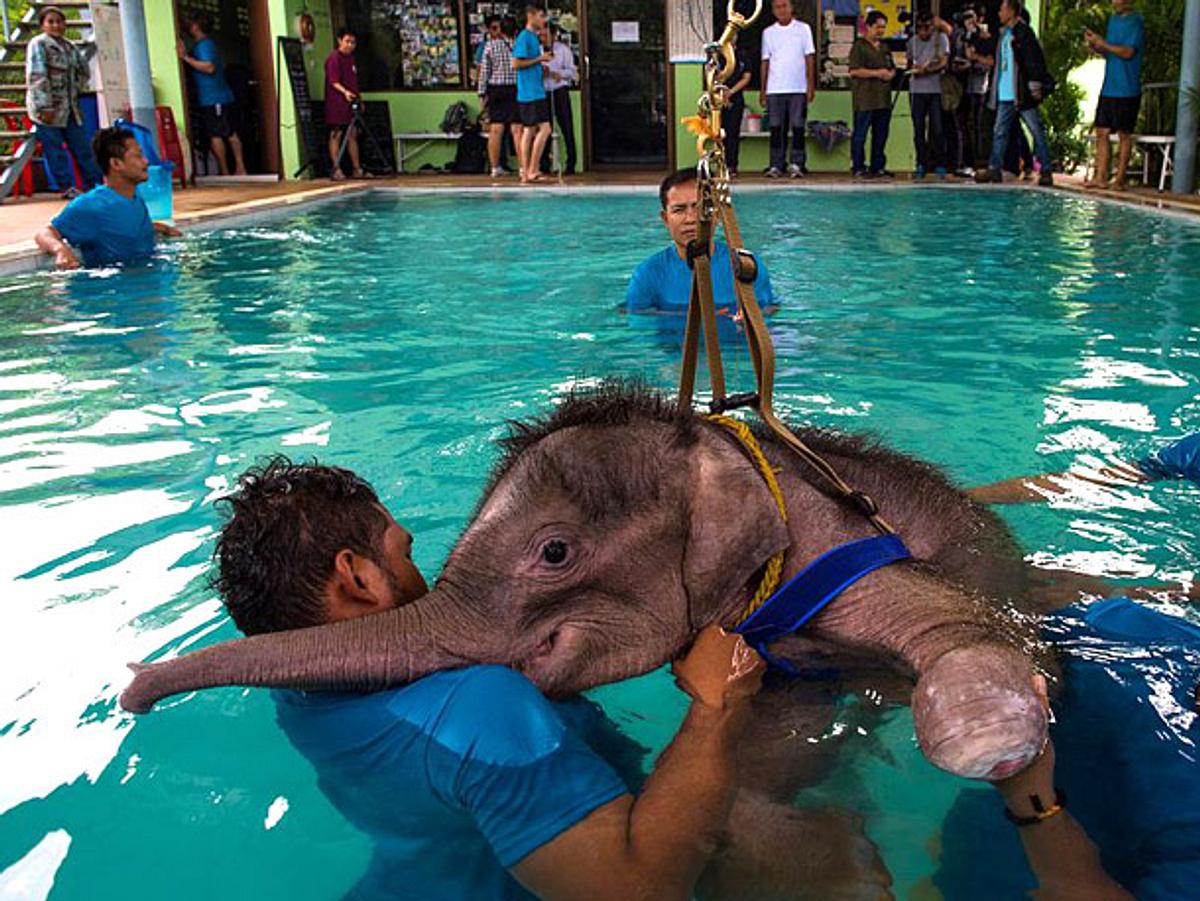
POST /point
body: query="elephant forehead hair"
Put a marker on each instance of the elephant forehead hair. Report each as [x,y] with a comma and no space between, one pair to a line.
[610,448]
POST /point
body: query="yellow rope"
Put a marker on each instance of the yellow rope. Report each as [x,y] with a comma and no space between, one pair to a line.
[774,570]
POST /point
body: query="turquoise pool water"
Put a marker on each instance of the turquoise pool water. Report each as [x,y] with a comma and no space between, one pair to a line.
[394,335]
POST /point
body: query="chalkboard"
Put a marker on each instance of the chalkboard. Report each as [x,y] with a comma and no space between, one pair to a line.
[290,53]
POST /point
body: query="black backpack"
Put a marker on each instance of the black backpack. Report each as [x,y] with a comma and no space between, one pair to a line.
[471,155]
[456,119]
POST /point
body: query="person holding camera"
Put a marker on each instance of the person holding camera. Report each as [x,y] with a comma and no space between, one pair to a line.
[871,72]
[341,100]
[1020,82]
[979,47]
[928,56]
[1121,94]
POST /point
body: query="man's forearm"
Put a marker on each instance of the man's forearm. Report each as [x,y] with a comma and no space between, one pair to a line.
[1066,863]
[524,63]
[676,822]
[49,241]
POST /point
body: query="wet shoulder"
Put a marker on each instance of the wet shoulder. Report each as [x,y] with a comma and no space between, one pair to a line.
[492,715]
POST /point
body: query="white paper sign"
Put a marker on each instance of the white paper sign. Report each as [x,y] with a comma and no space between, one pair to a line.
[110,58]
[626,32]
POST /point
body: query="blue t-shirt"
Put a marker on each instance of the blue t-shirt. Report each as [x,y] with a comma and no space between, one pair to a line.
[456,777]
[1125,740]
[529,80]
[107,228]
[1123,77]
[1006,86]
[210,89]
[663,283]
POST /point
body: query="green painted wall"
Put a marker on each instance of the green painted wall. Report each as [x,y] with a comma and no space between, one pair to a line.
[828,106]
[165,74]
[422,111]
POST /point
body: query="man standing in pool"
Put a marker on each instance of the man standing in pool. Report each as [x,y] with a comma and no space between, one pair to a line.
[533,107]
[110,223]
[662,283]
[471,782]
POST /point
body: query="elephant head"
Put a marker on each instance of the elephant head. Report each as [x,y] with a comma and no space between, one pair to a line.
[611,532]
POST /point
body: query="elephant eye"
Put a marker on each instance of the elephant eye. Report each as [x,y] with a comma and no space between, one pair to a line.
[554,552]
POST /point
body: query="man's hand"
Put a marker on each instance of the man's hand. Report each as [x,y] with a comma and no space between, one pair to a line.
[167,230]
[883,74]
[1091,38]
[720,670]
[762,99]
[180,48]
[65,259]
[811,94]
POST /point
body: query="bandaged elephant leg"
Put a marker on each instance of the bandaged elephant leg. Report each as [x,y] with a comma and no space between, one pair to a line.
[774,852]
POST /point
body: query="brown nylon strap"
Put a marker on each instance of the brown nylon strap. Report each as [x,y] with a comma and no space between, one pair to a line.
[701,312]
[762,353]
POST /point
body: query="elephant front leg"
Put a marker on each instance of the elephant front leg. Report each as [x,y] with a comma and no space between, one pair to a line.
[774,852]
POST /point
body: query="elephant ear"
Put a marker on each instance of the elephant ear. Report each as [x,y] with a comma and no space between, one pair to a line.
[734,528]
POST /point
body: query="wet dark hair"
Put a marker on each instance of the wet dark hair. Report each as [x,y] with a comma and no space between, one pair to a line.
[285,524]
[678,177]
[203,21]
[108,144]
[874,16]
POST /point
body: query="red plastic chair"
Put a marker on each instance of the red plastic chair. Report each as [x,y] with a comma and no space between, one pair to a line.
[14,119]
[168,141]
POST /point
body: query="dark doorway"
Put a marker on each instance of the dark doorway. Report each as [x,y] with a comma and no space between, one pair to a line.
[626,75]
[234,24]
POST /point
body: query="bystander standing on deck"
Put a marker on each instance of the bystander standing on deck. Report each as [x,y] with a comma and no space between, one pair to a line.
[1121,94]
[928,55]
[57,74]
[789,83]
[871,72]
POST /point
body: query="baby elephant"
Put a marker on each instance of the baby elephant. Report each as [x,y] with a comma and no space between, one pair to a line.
[616,528]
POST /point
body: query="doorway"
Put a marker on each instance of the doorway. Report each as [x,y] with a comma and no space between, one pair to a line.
[626,82]
[238,29]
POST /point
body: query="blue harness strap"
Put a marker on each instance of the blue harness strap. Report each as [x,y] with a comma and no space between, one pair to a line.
[809,591]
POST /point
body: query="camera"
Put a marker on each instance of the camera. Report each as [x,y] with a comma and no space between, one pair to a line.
[356,105]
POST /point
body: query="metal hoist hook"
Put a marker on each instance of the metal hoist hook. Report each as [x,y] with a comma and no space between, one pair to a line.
[715,206]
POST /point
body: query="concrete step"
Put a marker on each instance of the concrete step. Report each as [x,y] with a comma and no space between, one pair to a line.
[13,135]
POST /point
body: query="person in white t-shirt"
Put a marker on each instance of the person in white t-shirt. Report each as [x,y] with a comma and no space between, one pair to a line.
[789,82]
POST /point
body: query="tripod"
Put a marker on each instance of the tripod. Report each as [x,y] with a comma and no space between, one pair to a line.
[359,124]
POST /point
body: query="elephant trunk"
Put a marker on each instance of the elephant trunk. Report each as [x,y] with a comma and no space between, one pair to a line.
[363,654]
[976,710]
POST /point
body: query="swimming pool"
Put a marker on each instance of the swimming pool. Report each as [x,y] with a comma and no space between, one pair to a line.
[393,334]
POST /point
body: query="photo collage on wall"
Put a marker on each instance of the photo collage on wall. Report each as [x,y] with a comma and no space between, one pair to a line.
[477,12]
[429,41]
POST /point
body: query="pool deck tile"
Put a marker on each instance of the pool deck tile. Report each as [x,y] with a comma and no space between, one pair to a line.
[20,218]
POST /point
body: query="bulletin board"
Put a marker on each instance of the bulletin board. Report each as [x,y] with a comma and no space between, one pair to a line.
[477,12]
[430,41]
